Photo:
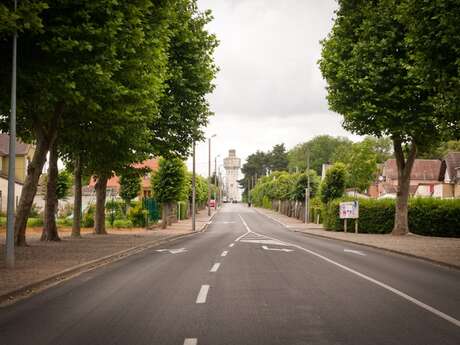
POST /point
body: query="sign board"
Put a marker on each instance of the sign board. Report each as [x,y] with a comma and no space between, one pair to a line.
[349,210]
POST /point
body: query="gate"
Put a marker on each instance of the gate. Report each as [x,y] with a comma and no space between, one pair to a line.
[153,210]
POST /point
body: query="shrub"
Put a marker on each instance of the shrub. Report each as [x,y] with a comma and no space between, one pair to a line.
[34,222]
[122,223]
[333,185]
[87,220]
[427,216]
[64,222]
[114,210]
[2,221]
[137,215]
[34,211]
[183,210]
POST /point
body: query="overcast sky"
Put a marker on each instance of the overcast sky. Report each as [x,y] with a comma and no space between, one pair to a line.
[269,89]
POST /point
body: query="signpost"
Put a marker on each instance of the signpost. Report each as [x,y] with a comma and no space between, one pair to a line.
[349,210]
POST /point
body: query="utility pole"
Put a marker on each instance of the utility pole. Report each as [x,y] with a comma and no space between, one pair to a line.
[216,181]
[307,191]
[193,188]
[209,174]
[10,259]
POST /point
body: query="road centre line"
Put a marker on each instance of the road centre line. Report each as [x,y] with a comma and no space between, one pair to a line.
[231,245]
[247,229]
[203,294]
[224,253]
[215,267]
[190,341]
[372,280]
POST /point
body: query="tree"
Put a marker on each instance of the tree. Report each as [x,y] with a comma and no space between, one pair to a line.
[169,183]
[301,183]
[321,150]
[366,60]
[130,184]
[361,164]
[277,158]
[67,70]
[333,185]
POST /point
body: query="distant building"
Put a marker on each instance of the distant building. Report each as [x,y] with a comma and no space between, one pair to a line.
[232,166]
[113,184]
[24,155]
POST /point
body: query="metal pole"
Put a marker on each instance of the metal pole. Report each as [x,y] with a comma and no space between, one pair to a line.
[209,177]
[215,182]
[193,188]
[10,259]
[307,191]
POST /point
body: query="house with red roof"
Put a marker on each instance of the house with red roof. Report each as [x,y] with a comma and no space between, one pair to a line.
[113,184]
[425,175]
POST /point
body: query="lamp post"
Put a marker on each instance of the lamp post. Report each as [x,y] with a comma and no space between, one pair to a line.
[216,181]
[9,252]
[193,188]
[307,191]
[209,173]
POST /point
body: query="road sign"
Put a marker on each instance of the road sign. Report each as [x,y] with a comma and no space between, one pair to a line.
[349,210]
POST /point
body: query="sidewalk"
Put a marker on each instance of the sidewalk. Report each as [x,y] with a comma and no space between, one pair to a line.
[42,260]
[437,249]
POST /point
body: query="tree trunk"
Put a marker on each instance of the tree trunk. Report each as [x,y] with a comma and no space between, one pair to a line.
[99,218]
[50,232]
[401,226]
[76,224]
[29,189]
[164,216]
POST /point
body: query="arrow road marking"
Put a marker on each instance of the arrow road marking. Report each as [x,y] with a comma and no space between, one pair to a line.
[357,252]
[278,249]
[387,287]
[172,251]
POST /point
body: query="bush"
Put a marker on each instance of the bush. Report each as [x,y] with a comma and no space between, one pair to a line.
[137,215]
[2,221]
[427,216]
[34,222]
[64,222]
[183,210]
[114,210]
[87,220]
[122,223]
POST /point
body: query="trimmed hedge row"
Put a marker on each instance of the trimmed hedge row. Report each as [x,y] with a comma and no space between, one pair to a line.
[427,216]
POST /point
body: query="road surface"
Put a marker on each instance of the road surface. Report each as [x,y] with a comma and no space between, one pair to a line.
[247,280]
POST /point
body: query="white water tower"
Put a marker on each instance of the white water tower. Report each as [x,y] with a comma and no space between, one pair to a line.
[232,166]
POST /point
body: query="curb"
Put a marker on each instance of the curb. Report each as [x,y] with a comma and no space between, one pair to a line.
[27,290]
[433,261]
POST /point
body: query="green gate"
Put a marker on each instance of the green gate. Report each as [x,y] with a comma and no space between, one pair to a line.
[152,208]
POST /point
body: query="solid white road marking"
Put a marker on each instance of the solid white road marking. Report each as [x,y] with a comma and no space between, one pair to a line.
[376,282]
[191,341]
[224,253]
[357,252]
[231,245]
[215,267]
[278,249]
[224,222]
[202,294]
[173,251]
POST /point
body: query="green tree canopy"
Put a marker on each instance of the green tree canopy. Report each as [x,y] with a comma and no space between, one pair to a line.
[333,185]
[374,63]
[321,150]
[170,180]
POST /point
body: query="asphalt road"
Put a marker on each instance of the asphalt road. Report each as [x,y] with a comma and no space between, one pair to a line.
[247,280]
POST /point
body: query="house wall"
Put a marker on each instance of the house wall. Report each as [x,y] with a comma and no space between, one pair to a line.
[20,166]
[4,193]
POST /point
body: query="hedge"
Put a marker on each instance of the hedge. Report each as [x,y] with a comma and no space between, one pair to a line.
[122,223]
[34,222]
[427,216]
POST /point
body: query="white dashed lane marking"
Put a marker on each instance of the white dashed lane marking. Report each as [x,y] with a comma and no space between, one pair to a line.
[215,267]
[203,294]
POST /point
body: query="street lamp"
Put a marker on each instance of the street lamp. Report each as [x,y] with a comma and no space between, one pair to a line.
[209,173]
[9,252]
[216,181]
[193,188]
